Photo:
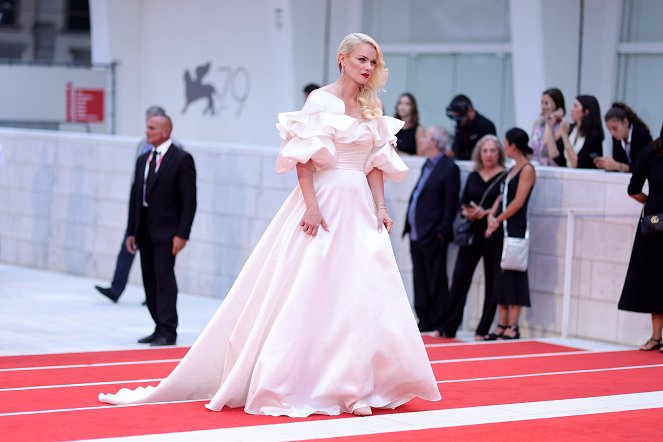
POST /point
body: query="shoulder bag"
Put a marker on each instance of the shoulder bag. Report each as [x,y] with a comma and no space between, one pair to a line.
[515,250]
[464,228]
[651,225]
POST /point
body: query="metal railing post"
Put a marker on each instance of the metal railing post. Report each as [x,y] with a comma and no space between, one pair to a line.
[568,271]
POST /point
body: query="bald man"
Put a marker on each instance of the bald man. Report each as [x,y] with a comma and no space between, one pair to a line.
[161,210]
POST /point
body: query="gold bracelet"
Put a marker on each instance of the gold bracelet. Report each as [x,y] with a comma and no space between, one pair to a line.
[380,206]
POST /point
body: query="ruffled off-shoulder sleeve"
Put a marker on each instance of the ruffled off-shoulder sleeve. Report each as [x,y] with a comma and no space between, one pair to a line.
[307,135]
[384,156]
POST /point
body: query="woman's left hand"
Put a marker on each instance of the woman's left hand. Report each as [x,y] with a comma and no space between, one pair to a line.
[384,220]
[493,225]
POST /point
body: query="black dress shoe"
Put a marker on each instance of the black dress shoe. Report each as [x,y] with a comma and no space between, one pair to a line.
[147,339]
[107,292]
[160,341]
[425,327]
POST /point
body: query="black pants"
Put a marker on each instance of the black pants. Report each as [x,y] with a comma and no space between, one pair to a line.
[466,263]
[158,265]
[122,269]
[431,285]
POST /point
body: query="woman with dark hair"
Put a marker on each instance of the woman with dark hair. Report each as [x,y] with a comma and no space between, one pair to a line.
[546,131]
[482,188]
[643,287]
[412,131]
[583,139]
[511,287]
[629,136]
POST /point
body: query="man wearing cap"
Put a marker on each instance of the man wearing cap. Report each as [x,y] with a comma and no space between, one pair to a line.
[470,127]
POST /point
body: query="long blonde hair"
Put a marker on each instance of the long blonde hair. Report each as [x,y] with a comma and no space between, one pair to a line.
[368,93]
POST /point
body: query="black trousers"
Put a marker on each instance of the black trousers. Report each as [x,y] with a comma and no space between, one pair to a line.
[431,285]
[122,269]
[158,266]
[466,263]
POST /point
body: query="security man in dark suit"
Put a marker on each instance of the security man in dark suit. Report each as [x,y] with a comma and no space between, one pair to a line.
[161,210]
[431,211]
[470,127]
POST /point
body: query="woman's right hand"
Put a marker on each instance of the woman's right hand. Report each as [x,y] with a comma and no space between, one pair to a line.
[473,212]
[311,220]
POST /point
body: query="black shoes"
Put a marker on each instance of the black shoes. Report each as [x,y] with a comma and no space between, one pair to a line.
[498,333]
[107,292]
[156,340]
[161,341]
[147,339]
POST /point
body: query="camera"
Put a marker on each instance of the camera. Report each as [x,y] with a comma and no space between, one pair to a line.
[458,108]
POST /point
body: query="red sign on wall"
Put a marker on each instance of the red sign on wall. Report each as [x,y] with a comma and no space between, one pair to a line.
[85,105]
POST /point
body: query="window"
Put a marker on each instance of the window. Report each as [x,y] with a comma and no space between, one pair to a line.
[8,12]
[436,49]
[640,55]
[78,15]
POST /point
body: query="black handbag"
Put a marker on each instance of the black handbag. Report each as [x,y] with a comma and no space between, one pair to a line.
[463,227]
[463,232]
[651,225]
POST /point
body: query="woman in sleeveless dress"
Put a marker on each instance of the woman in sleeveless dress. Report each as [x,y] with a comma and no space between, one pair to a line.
[511,287]
[409,136]
[318,320]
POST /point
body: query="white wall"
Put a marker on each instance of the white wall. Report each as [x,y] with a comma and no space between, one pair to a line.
[63,205]
[156,41]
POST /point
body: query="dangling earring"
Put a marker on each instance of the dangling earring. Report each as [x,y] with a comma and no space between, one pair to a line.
[342,71]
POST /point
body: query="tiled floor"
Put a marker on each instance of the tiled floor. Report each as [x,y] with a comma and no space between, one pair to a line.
[48,312]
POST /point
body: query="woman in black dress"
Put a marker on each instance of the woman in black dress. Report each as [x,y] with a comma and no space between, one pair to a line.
[582,141]
[481,190]
[412,131]
[643,287]
[511,288]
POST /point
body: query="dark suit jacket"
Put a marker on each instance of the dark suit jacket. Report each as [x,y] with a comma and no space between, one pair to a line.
[640,138]
[438,202]
[593,145]
[172,198]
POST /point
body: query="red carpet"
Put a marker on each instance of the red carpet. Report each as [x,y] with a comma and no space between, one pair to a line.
[620,427]
[611,375]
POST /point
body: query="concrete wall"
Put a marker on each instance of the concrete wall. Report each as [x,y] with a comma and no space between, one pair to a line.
[63,203]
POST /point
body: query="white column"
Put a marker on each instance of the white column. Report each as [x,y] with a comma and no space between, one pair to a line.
[528,59]
[282,59]
[599,62]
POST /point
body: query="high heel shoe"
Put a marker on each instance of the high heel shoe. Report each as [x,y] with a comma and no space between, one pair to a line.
[494,335]
[651,344]
[362,411]
[516,335]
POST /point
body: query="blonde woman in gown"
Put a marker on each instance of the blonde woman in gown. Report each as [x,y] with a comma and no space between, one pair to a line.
[318,320]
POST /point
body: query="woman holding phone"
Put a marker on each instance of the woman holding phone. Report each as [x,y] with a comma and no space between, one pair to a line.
[583,139]
[481,189]
[545,142]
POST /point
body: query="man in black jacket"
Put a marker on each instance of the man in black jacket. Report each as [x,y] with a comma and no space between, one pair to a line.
[161,210]
[470,127]
[431,211]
